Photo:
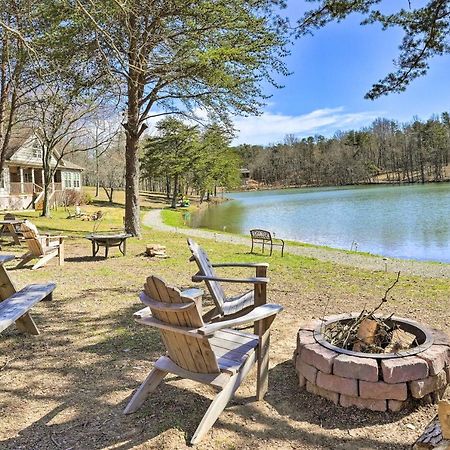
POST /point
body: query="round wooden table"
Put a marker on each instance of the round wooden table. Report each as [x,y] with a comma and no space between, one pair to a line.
[107,241]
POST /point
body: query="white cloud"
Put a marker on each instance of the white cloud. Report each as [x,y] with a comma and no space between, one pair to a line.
[270,127]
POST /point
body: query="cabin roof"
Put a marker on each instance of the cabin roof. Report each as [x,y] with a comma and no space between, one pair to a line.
[70,165]
[18,139]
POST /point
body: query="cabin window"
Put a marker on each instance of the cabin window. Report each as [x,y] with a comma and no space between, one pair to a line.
[27,177]
[67,179]
[76,181]
[37,149]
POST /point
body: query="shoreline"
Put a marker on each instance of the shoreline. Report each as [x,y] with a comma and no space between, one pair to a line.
[363,261]
[310,186]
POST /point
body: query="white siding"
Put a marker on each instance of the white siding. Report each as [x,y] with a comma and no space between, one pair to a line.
[29,153]
[4,181]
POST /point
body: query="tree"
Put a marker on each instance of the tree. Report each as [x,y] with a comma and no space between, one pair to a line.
[73,86]
[61,108]
[217,164]
[173,56]
[16,38]
[426,34]
[111,167]
[172,153]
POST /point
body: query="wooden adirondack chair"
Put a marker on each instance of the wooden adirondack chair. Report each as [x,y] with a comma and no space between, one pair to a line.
[44,247]
[228,307]
[211,354]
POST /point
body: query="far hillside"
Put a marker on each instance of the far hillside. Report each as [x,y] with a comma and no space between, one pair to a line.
[416,152]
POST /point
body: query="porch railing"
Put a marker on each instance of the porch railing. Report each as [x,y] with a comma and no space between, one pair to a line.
[15,188]
[30,188]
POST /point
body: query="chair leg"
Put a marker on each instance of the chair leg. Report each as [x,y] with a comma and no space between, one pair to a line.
[215,408]
[44,260]
[262,375]
[26,324]
[25,259]
[222,398]
[147,387]
[61,254]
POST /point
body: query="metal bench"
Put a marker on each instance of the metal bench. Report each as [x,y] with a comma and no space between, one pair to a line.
[264,238]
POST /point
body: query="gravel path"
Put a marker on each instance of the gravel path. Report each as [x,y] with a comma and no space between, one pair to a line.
[433,270]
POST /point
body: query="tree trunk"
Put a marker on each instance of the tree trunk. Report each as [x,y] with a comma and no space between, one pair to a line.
[45,204]
[109,193]
[168,188]
[97,177]
[132,222]
[175,191]
[132,209]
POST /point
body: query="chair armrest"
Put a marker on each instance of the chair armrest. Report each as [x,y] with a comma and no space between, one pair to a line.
[50,237]
[241,265]
[192,292]
[255,280]
[259,313]
[144,312]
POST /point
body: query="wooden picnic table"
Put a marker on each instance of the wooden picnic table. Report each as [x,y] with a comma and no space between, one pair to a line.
[108,240]
[9,229]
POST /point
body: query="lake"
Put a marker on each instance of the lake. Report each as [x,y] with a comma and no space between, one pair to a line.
[411,221]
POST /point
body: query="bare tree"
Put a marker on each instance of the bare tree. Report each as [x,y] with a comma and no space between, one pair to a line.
[111,167]
[62,115]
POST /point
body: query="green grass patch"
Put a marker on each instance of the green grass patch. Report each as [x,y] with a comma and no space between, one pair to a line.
[175,217]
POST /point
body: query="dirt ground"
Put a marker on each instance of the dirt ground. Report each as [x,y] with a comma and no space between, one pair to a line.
[67,387]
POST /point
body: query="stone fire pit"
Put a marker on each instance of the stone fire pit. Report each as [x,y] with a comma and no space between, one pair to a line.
[379,382]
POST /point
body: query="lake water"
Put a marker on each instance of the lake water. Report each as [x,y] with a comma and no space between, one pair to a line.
[411,221]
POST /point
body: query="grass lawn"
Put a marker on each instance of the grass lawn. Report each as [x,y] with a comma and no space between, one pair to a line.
[67,387]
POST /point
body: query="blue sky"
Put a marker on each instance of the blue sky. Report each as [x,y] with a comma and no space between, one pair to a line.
[331,73]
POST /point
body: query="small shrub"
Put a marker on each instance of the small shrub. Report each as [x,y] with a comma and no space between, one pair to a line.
[73,197]
[86,198]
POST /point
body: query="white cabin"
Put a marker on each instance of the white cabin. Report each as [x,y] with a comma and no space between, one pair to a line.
[21,182]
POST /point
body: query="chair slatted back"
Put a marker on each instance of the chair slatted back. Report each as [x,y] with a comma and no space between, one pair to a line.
[31,235]
[205,268]
[261,234]
[190,353]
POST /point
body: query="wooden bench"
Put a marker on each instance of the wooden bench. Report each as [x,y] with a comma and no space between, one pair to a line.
[264,238]
[15,308]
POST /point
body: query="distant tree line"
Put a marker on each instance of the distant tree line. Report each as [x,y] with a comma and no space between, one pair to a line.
[384,152]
